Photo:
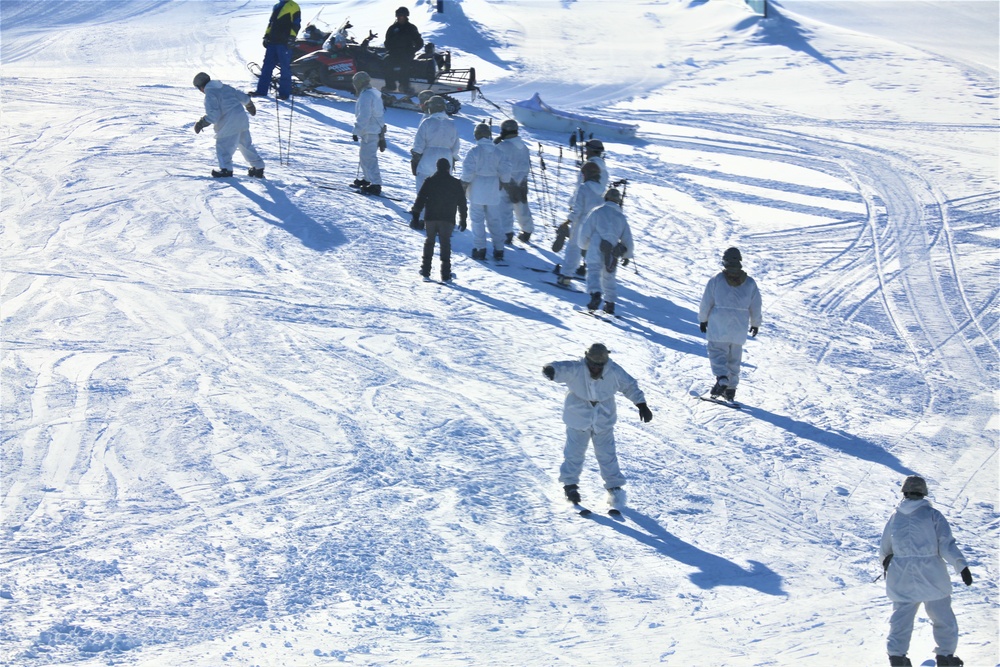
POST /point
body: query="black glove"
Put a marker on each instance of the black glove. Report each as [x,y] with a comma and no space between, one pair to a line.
[645,414]
[266,43]
[251,109]
[201,125]
[703,326]
[625,261]
[562,233]
[550,373]
[462,225]
[414,162]
[415,221]
[966,577]
[382,144]
[354,137]
[753,332]
[885,562]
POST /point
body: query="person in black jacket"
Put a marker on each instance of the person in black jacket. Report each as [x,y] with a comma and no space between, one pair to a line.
[443,195]
[402,41]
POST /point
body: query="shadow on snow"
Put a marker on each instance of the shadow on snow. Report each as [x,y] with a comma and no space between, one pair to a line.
[712,570]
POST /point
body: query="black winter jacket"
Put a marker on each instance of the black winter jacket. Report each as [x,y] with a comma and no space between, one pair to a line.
[403,39]
[442,194]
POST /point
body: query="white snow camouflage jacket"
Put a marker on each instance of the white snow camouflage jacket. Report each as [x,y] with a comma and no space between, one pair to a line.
[519,157]
[436,138]
[225,108]
[730,310]
[369,113]
[483,170]
[606,222]
[920,541]
[588,196]
[590,403]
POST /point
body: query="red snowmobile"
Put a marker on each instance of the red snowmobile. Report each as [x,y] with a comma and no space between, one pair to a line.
[331,59]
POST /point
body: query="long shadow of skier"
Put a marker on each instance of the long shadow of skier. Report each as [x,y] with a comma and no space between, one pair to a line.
[282,213]
[712,570]
[844,442]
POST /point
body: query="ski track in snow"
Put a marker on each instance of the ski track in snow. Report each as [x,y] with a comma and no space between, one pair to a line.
[239,429]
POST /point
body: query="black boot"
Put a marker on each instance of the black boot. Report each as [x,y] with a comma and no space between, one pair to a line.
[479,253]
[899,661]
[595,301]
[222,173]
[497,255]
[524,237]
[572,493]
[581,270]
[609,307]
[255,172]
[509,238]
[720,386]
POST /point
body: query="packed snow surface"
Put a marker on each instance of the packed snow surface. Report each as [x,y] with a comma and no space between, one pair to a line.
[239,429]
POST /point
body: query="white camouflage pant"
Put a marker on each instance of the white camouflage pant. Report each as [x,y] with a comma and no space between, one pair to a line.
[604,449]
[226,145]
[599,279]
[483,217]
[368,155]
[509,211]
[725,359]
[942,619]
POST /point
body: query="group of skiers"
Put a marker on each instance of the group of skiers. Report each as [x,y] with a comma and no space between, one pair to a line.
[492,193]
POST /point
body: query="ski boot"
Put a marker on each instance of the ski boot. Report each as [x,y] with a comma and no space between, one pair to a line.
[255,172]
[572,492]
[479,253]
[609,307]
[719,387]
[509,238]
[222,173]
[497,255]
[616,498]
[371,189]
[595,301]
[730,394]
[359,183]
[949,661]
[524,237]
[581,270]
[899,661]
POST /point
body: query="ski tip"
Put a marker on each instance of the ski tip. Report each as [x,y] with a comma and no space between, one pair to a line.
[614,512]
[584,512]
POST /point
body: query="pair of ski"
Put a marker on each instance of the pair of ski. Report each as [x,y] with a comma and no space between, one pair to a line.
[613,512]
[719,401]
[350,188]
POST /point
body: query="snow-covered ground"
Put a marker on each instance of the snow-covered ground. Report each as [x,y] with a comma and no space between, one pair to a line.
[238,429]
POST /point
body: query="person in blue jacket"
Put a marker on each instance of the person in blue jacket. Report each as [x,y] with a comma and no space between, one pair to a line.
[282,29]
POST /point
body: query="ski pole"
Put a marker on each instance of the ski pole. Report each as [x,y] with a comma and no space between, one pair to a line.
[288,144]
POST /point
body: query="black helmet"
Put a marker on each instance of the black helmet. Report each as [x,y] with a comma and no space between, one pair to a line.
[402,11]
[732,257]
[594,146]
[613,195]
[508,128]
[200,79]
